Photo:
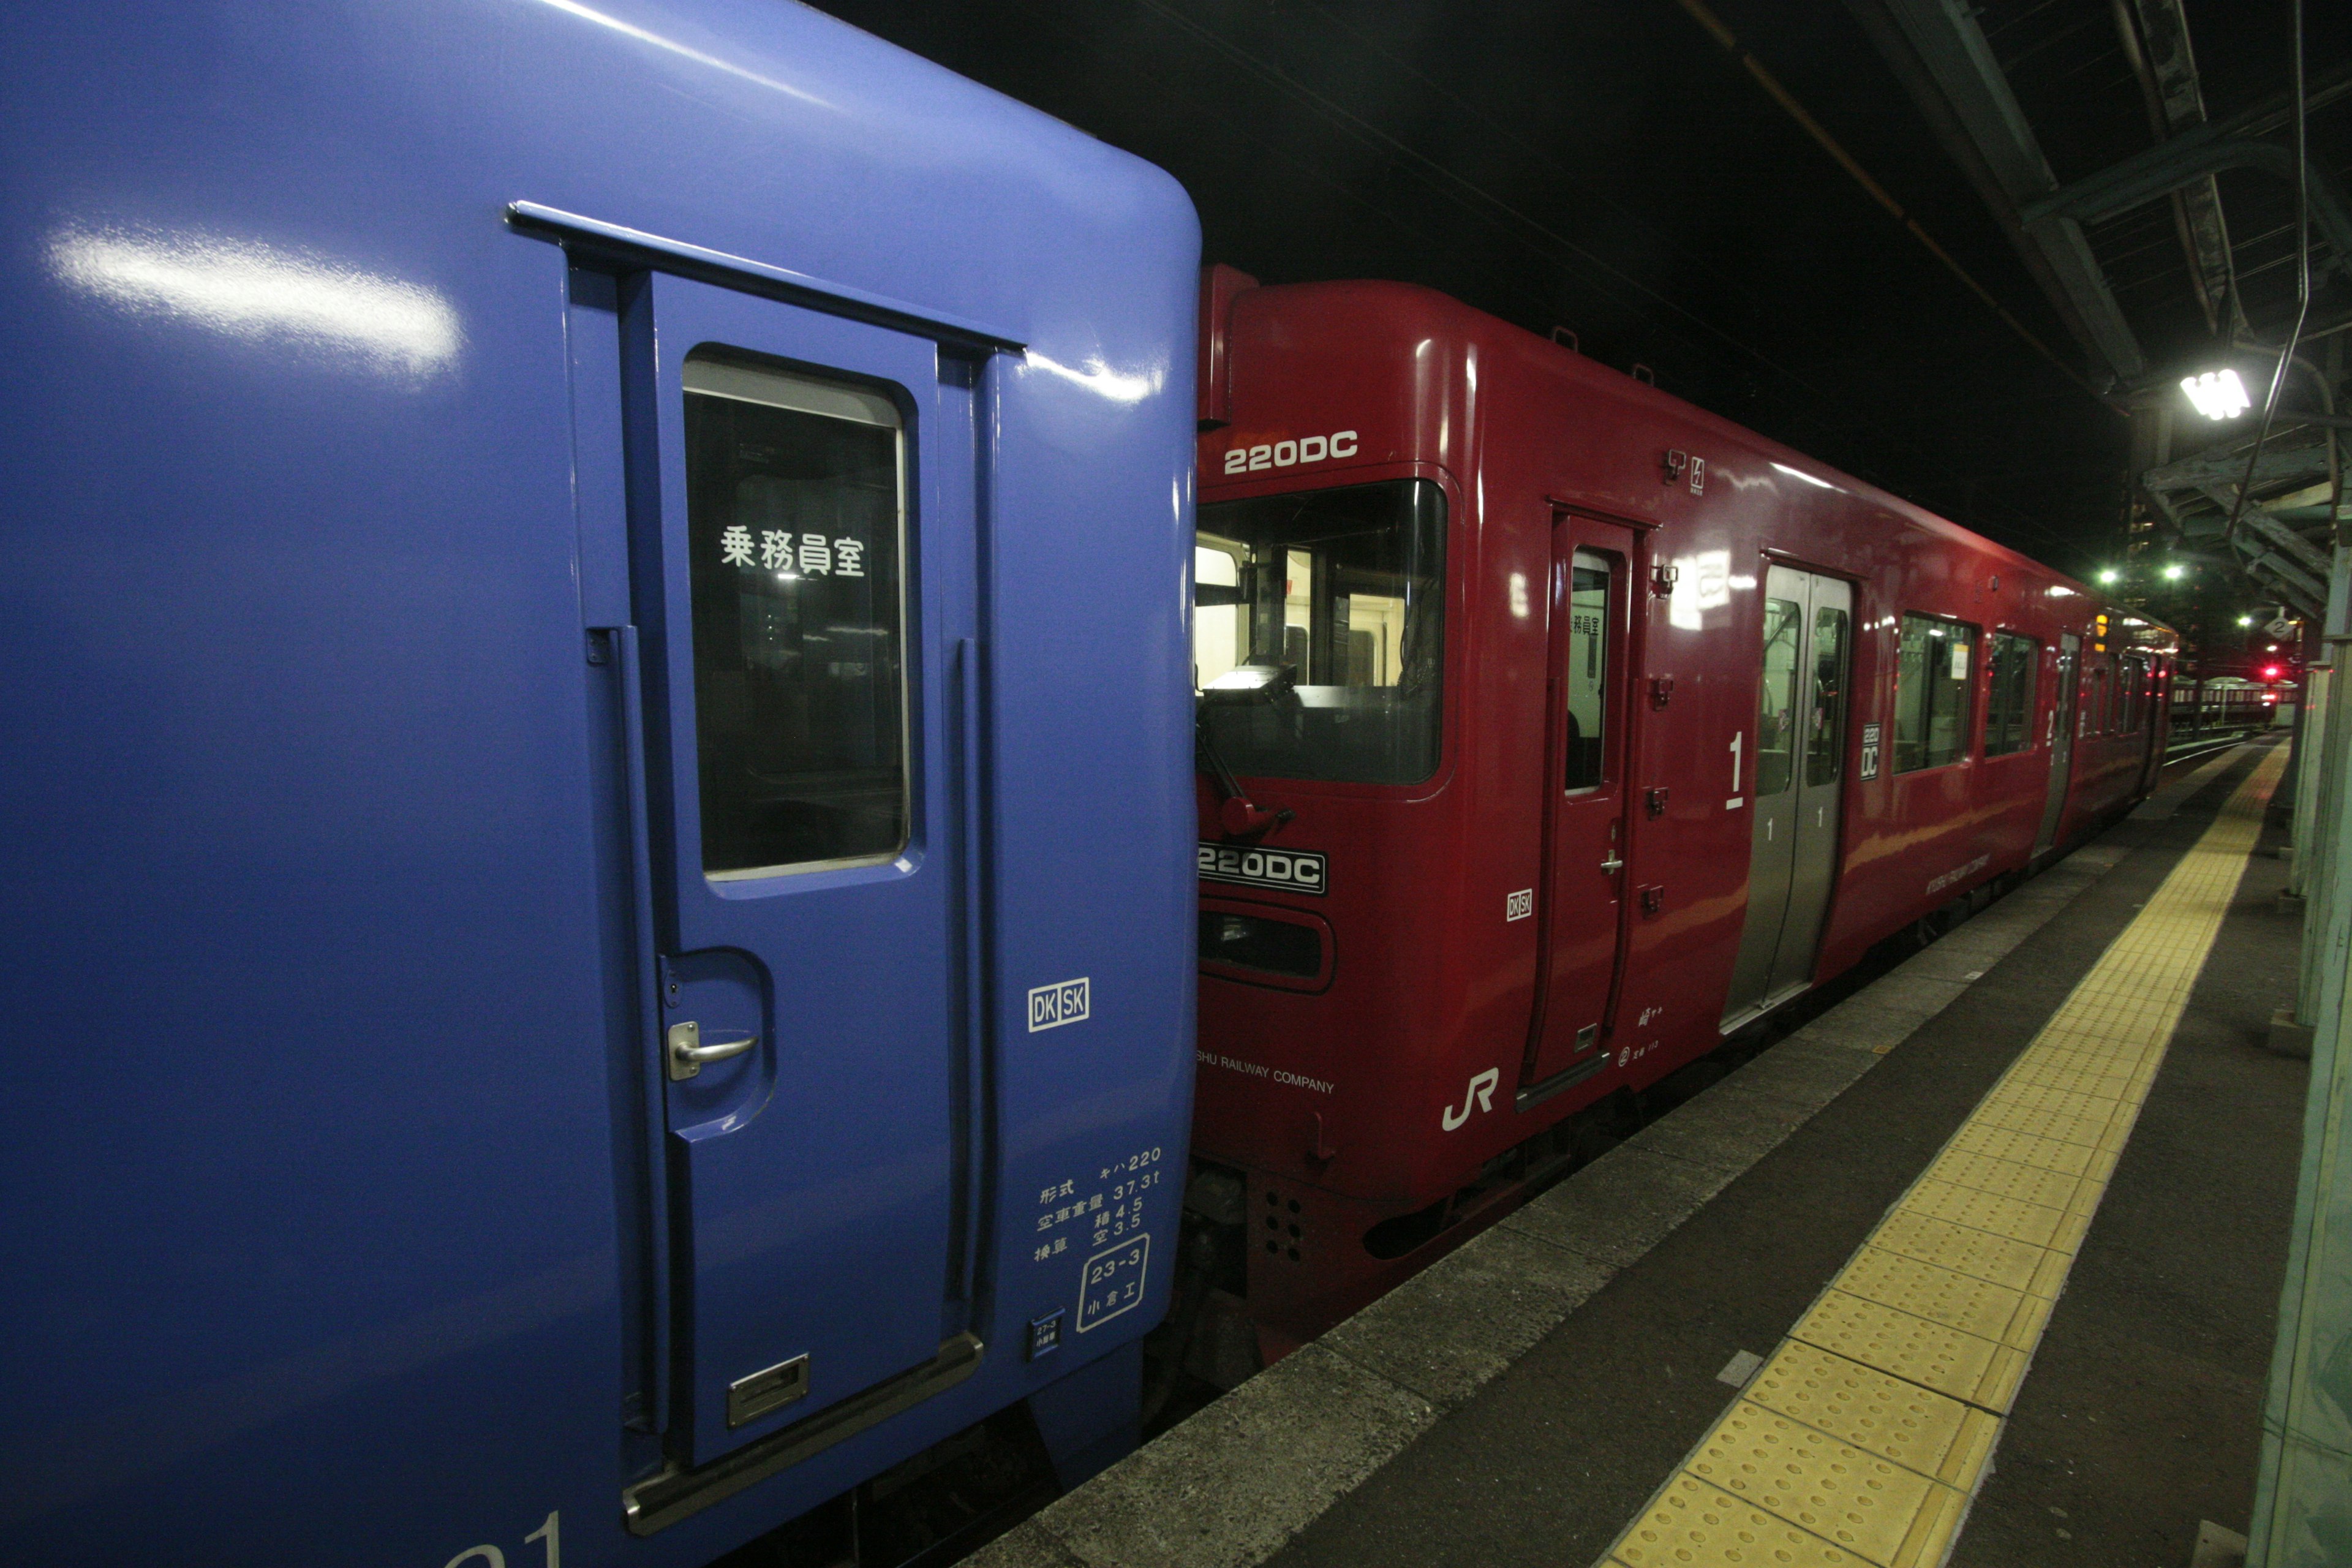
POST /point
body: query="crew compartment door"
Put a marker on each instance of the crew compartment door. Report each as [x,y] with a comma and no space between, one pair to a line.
[2062,740]
[793,579]
[1580,905]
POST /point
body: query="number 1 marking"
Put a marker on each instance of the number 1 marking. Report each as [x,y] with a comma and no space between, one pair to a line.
[552,1534]
[1736,800]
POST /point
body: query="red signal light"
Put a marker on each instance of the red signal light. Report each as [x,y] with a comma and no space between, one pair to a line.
[2271,672]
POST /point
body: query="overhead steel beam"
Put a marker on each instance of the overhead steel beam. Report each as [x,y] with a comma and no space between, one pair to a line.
[2227,465]
[2276,112]
[2155,35]
[2259,524]
[1973,96]
[2305,594]
[2195,155]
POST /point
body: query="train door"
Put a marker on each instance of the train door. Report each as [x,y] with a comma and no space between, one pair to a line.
[2062,740]
[1580,915]
[2157,709]
[791,580]
[1795,785]
[1819,769]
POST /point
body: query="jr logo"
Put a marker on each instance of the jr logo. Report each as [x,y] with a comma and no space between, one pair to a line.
[1481,1092]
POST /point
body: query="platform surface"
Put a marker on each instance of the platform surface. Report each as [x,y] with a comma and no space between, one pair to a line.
[1990,1255]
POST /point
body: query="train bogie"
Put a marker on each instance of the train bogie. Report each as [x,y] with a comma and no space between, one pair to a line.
[576,996]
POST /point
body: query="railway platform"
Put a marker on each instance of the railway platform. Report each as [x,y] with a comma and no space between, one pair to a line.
[1982,1264]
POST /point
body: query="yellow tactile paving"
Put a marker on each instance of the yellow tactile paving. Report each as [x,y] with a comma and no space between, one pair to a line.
[2025,1149]
[1973,1306]
[2093,1130]
[2009,1178]
[2033,1223]
[2091,1079]
[2020,1265]
[1931,1433]
[1845,1496]
[1983,1372]
[1690,1524]
[1863,1435]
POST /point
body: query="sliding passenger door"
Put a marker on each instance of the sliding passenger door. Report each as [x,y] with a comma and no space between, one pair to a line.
[1795,778]
[2062,740]
[1580,904]
[1819,769]
[793,586]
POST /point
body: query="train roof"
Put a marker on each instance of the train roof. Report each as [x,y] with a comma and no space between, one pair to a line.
[784,142]
[1412,309]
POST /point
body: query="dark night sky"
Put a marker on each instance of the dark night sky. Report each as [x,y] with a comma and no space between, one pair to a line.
[1603,165]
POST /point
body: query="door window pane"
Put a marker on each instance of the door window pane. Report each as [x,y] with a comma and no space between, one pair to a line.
[2009,703]
[1825,739]
[794,513]
[1588,669]
[1932,683]
[1776,708]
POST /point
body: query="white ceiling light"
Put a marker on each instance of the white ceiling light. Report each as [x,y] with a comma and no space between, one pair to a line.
[2218,393]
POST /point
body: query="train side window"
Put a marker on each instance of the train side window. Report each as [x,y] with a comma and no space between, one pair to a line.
[1825,740]
[795,506]
[1776,707]
[2009,704]
[1588,669]
[1932,683]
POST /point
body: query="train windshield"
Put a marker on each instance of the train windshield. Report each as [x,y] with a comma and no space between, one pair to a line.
[1346,588]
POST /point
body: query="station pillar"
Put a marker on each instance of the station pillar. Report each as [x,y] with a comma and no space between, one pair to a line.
[2303,1499]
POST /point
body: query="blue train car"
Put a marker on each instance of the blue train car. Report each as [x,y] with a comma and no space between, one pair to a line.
[598,776]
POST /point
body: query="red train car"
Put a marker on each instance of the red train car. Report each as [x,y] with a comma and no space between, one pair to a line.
[1555,730]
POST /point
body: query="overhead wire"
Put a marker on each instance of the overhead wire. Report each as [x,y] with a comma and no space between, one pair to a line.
[1476,195]
[1460,185]
[1877,191]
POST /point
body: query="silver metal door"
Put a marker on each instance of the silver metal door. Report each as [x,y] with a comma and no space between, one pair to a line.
[2062,740]
[1821,783]
[1772,789]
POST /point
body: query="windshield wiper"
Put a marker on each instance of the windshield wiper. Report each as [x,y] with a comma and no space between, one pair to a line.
[1245,685]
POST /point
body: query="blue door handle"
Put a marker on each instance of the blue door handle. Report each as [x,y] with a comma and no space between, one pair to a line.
[687,1052]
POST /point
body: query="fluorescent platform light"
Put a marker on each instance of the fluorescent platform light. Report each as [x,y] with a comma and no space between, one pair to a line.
[2218,393]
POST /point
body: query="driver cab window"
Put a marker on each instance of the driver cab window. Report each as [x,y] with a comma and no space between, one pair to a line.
[1343,590]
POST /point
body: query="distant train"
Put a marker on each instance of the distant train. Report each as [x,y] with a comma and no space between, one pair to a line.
[2227,703]
[1553,732]
[582,581]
